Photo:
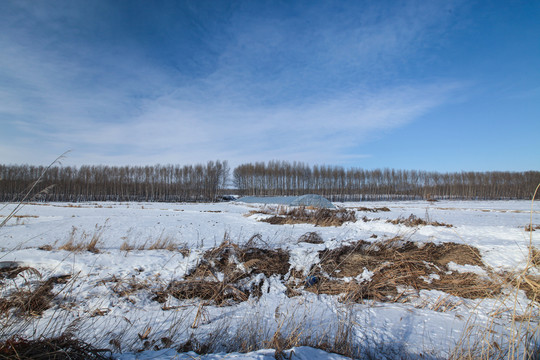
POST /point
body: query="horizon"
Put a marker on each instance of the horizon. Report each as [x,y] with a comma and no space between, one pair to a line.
[437,86]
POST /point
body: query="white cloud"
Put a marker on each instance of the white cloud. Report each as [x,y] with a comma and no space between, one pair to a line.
[118,110]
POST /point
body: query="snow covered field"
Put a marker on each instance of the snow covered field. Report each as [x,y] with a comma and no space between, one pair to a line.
[142,248]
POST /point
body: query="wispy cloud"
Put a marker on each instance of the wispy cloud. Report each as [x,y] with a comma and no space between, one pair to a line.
[308,86]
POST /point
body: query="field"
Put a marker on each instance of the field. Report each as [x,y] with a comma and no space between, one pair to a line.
[372,280]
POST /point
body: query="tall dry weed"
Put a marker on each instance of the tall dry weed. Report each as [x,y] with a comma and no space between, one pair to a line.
[522,338]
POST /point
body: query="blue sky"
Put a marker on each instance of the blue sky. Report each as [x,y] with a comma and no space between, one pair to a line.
[431,85]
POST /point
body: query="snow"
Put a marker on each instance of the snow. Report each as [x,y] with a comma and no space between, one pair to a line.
[474,269]
[417,327]
[300,353]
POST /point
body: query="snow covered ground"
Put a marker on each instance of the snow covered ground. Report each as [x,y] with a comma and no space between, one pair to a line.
[110,301]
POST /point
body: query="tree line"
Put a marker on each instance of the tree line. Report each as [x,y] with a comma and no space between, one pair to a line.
[210,181]
[116,183]
[277,178]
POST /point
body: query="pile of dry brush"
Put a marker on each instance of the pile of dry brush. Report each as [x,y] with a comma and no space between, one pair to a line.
[308,215]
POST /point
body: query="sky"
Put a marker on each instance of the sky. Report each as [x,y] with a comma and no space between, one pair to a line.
[429,85]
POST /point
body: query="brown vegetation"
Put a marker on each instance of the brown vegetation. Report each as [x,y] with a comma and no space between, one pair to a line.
[374,210]
[413,221]
[531,227]
[60,348]
[86,243]
[311,238]
[225,274]
[236,265]
[126,287]
[392,264]
[318,217]
[33,298]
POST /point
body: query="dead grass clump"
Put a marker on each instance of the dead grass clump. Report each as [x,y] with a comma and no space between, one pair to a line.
[531,227]
[366,219]
[59,348]
[224,274]
[534,256]
[413,221]
[311,238]
[10,270]
[236,261]
[87,242]
[126,288]
[467,285]
[381,268]
[32,299]
[163,243]
[318,217]
[73,246]
[194,345]
[217,292]
[374,210]
[530,284]
[127,246]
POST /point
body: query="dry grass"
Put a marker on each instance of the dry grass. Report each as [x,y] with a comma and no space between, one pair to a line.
[531,227]
[127,246]
[163,242]
[213,292]
[413,221]
[295,327]
[366,219]
[33,297]
[86,243]
[22,216]
[59,348]
[521,339]
[224,274]
[311,238]
[393,264]
[127,287]
[317,217]
[373,210]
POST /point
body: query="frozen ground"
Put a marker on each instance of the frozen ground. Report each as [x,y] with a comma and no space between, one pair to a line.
[120,319]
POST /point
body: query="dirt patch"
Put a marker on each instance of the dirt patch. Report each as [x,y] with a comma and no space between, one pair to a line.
[379,269]
[413,221]
[317,217]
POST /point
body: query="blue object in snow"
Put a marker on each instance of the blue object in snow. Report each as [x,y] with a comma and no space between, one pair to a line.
[311,280]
